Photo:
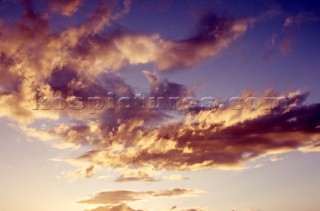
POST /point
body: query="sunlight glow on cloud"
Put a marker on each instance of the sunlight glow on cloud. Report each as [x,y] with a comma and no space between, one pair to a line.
[85,60]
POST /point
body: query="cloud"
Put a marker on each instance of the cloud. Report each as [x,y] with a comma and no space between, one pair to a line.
[145,176]
[175,177]
[125,11]
[86,173]
[68,62]
[121,207]
[214,34]
[276,158]
[126,196]
[84,61]
[157,6]
[133,176]
[301,17]
[153,79]
[188,209]
[113,197]
[173,193]
[65,7]
[284,40]
[286,45]
[124,207]
[28,67]
[200,138]
[213,139]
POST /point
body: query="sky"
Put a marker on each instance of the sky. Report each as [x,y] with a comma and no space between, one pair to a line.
[135,105]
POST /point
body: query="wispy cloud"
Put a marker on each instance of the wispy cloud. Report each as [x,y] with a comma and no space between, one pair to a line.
[65,7]
[286,45]
[301,17]
[133,176]
[127,196]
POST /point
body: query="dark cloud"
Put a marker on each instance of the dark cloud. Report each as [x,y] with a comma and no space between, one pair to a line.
[214,34]
[210,141]
[39,63]
[60,78]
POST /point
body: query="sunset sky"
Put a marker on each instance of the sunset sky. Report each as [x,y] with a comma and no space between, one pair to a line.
[135,105]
